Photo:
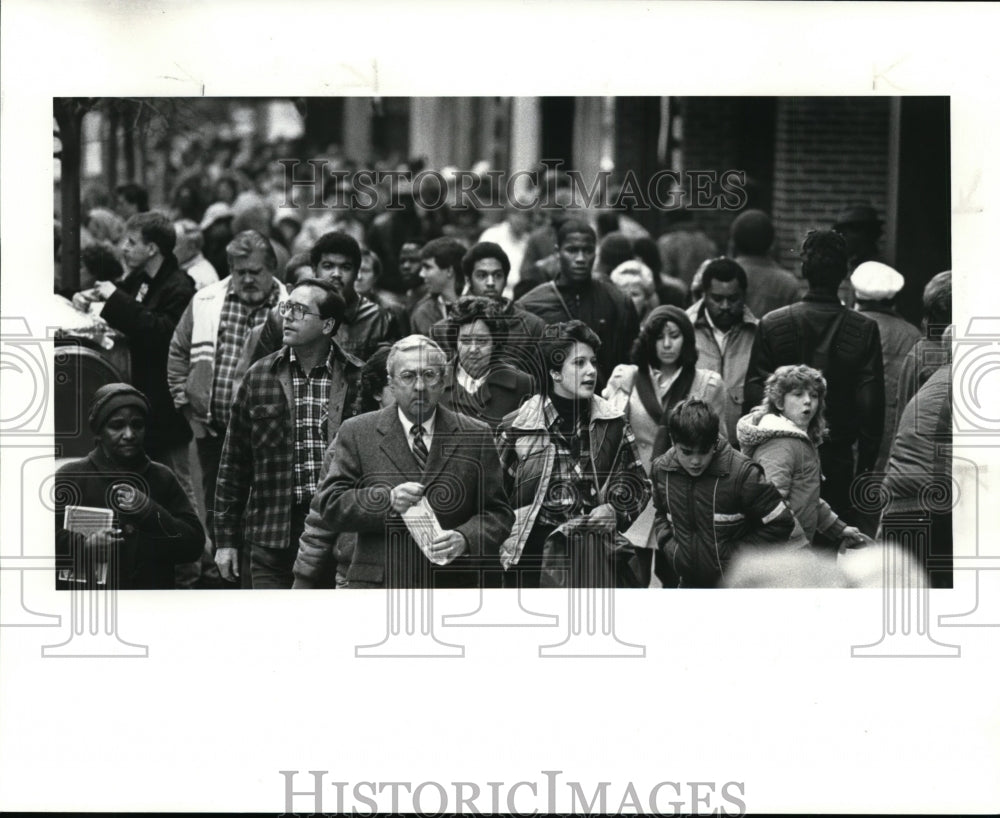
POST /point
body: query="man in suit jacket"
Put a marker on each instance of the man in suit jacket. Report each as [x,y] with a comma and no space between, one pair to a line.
[384,462]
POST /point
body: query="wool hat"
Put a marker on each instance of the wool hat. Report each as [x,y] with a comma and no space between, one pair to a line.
[214,212]
[112,397]
[874,281]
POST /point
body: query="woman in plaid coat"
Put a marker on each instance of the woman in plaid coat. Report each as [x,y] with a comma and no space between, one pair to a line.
[570,463]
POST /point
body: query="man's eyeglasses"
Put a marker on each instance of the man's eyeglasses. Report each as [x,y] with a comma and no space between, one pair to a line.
[296,311]
[430,377]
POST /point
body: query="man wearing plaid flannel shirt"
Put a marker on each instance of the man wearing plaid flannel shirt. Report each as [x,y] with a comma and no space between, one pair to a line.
[287,409]
[207,346]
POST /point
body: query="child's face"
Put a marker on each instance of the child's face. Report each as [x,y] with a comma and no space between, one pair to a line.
[800,407]
[694,461]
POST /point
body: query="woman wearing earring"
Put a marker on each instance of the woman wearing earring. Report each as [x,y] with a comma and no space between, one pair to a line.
[569,459]
[663,373]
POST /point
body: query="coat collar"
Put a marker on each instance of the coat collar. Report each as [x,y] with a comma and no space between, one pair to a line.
[720,466]
[759,427]
[538,414]
[337,353]
[696,313]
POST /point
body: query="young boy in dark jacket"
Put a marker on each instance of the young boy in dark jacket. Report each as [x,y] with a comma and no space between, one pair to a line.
[710,499]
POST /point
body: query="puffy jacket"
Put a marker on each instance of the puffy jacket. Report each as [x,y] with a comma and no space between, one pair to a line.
[845,346]
[791,462]
[702,521]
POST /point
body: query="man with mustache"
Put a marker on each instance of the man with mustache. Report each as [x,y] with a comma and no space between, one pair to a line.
[724,328]
[336,258]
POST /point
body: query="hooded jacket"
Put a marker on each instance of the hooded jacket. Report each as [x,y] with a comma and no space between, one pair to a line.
[791,462]
[702,521]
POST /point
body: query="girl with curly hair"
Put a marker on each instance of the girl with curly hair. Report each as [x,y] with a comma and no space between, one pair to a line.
[783,435]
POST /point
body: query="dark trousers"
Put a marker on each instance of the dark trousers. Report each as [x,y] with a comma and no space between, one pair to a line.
[651,561]
[272,567]
[209,456]
[837,462]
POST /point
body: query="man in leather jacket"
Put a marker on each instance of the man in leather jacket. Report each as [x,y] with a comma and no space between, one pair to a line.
[845,346]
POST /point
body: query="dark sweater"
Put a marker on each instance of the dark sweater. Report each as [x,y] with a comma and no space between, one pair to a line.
[154,538]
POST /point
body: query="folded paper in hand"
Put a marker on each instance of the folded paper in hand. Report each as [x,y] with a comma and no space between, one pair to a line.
[424,528]
[87,520]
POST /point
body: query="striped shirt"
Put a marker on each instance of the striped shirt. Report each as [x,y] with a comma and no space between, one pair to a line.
[312,395]
[235,324]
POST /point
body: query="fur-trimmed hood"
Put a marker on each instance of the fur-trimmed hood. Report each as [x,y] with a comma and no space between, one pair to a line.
[759,427]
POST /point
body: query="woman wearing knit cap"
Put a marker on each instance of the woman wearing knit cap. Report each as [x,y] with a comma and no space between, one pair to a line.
[153,526]
[571,469]
[663,373]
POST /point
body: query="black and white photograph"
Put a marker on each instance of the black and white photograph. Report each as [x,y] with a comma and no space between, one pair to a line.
[614,445]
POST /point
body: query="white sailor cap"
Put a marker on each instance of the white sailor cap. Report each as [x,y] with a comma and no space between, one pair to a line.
[875,281]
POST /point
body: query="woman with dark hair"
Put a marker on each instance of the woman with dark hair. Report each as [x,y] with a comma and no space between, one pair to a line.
[571,469]
[663,373]
[783,435]
[480,384]
[373,383]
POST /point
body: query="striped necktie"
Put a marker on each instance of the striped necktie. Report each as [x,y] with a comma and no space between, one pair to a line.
[419,447]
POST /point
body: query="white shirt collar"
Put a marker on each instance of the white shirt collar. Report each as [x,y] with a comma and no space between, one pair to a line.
[467,382]
[428,424]
[662,382]
[720,335]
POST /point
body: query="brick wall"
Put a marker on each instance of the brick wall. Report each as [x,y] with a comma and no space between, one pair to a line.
[830,153]
[711,141]
[809,157]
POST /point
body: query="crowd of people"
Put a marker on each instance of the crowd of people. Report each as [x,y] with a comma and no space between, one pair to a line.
[551,400]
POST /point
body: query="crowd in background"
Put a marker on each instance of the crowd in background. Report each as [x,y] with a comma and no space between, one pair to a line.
[656,403]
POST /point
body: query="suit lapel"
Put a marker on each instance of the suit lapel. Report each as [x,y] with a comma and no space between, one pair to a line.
[443,444]
[394,445]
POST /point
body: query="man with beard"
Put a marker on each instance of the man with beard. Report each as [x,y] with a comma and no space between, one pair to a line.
[577,294]
[210,339]
[486,267]
[336,258]
[724,329]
